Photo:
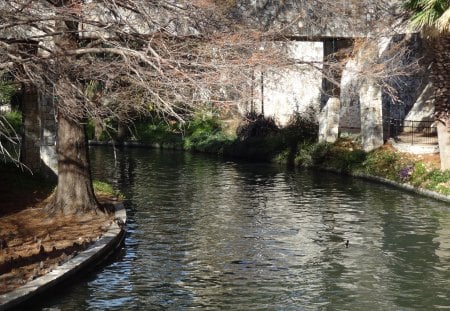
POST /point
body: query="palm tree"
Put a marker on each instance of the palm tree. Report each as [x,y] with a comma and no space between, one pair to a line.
[432,19]
[429,16]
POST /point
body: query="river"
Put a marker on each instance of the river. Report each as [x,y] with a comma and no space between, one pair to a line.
[210,234]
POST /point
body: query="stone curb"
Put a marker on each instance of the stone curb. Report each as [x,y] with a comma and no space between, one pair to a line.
[421,191]
[94,254]
[137,144]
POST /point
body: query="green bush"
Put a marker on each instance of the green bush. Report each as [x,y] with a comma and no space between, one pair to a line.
[304,155]
[159,132]
[384,163]
[438,180]
[13,124]
[101,187]
[7,89]
[203,142]
[204,133]
[264,148]
[313,154]
[203,124]
[348,160]
[301,128]
[256,125]
[419,174]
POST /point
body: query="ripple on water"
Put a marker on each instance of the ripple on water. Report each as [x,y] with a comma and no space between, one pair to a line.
[209,234]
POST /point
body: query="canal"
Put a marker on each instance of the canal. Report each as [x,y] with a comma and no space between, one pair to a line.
[210,234]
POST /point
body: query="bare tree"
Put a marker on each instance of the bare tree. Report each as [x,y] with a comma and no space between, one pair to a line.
[163,56]
[153,55]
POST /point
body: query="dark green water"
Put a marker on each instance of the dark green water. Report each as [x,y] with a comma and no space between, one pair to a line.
[206,234]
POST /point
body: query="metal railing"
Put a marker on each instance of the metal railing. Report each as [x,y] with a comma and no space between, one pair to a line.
[413,132]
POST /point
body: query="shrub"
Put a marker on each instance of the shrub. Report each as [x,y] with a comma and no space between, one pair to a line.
[419,174]
[311,154]
[203,123]
[256,125]
[439,181]
[104,188]
[301,128]
[13,124]
[157,132]
[7,89]
[205,142]
[384,163]
[204,133]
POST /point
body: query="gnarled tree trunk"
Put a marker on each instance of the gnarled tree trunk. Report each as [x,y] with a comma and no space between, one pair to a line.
[74,193]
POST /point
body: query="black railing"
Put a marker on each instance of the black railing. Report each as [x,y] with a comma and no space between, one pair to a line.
[413,132]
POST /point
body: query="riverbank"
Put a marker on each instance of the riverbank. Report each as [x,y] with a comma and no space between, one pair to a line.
[345,157]
[213,223]
[31,243]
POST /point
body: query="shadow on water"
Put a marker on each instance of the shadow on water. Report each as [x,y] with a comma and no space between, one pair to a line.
[212,234]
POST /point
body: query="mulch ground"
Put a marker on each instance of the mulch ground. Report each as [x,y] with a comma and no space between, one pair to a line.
[32,243]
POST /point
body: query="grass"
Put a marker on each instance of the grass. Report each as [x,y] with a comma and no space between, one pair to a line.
[106,189]
[20,189]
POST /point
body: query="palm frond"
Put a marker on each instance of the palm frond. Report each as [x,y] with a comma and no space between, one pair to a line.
[429,16]
[443,22]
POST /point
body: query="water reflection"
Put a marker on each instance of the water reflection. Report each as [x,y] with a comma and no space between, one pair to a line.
[209,234]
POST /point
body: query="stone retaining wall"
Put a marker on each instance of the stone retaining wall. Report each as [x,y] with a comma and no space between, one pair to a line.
[95,254]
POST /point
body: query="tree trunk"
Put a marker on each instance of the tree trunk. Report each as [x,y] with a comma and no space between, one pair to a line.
[31,140]
[121,132]
[98,128]
[443,129]
[74,193]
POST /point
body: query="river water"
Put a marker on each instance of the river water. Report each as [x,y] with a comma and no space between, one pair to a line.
[210,234]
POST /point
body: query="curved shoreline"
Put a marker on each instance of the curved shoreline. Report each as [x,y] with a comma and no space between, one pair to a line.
[406,187]
[109,242]
[112,239]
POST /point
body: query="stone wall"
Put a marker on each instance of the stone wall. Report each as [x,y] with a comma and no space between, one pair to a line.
[319,18]
[412,89]
[48,134]
[296,89]
[38,151]
[408,98]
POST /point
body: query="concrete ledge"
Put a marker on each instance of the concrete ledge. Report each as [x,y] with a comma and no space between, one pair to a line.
[407,187]
[416,149]
[137,144]
[94,254]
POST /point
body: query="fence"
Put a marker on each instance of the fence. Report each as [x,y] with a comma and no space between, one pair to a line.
[413,132]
